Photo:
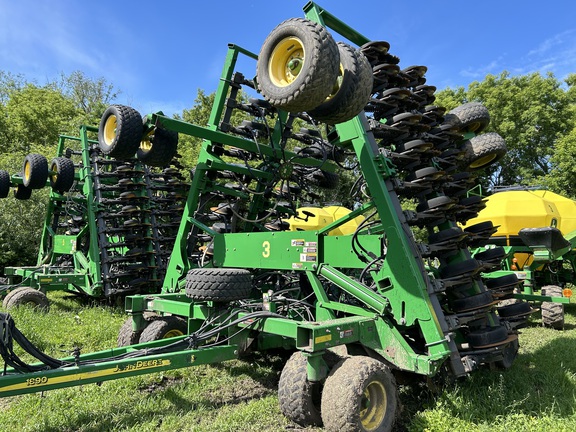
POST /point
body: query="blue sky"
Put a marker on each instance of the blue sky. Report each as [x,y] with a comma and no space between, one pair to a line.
[160,53]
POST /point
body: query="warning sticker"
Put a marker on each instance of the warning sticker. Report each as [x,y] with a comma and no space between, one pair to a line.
[297,266]
[304,257]
[297,242]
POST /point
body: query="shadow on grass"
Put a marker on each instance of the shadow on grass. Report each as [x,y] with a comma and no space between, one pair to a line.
[539,383]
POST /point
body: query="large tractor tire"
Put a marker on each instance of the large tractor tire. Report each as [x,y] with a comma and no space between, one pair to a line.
[352,89]
[62,178]
[120,131]
[218,284]
[552,313]
[158,148]
[26,296]
[298,65]
[35,171]
[360,394]
[300,399]
[473,116]
[5,183]
[483,150]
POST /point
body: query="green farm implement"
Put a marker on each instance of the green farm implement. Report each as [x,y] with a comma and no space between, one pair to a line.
[536,240]
[109,223]
[356,298]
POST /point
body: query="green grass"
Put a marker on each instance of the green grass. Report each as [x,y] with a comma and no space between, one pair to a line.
[536,394]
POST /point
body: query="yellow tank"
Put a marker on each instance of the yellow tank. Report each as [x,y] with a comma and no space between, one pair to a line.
[514,210]
[315,218]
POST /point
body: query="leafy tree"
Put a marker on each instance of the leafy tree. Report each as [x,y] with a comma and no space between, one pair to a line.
[531,112]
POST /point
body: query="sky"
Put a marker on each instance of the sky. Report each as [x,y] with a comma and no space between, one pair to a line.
[158,54]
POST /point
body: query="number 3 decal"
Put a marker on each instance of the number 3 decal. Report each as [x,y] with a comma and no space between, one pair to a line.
[266,251]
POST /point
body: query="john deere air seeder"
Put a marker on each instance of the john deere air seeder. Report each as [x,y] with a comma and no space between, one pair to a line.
[535,239]
[261,262]
[109,223]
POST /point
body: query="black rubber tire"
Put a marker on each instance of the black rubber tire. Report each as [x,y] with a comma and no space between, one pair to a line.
[460,268]
[120,131]
[552,313]
[354,88]
[162,328]
[299,398]
[160,149]
[495,254]
[483,150]
[449,234]
[344,399]
[218,284]
[476,301]
[317,75]
[22,192]
[498,283]
[5,183]
[63,179]
[127,336]
[514,309]
[26,296]
[479,227]
[473,116]
[35,171]
[487,336]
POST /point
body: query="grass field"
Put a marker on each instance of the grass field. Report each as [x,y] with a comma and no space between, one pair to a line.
[536,394]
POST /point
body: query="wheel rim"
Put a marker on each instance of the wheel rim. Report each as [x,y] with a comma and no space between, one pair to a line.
[337,84]
[373,406]
[146,143]
[110,129]
[483,161]
[286,61]
[54,176]
[172,333]
[27,170]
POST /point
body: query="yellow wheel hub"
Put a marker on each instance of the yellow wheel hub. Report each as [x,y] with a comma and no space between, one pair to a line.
[483,161]
[146,143]
[110,129]
[286,61]
[27,170]
[173,333]
[373,406]
[54,176]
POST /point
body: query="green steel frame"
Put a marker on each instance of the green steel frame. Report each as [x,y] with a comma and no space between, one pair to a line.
[406,299]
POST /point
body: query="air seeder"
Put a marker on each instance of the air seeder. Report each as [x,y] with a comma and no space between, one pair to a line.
[109,223]
[535,239]
[358,307]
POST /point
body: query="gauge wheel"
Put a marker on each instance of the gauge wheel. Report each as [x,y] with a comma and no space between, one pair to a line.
[351,91]
[483,150]
[62,174]
[359,394]
[158,147]
[5,183]
[298,65]
[120,131]
[35,171]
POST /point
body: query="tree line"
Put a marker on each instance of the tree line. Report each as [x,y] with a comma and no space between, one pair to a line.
[535,113]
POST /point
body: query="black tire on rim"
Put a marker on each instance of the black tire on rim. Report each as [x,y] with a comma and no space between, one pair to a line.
[218,284]
[354,86]
[120,131]
[483,150]
[158,147]
[63,177]
[299,398]
[552,313]
[162,328]
[22,192]
[487,336]
[297,65]
[359,394]
[5,183]
[127,335]
[35,171]
[26,296]
[473,116]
